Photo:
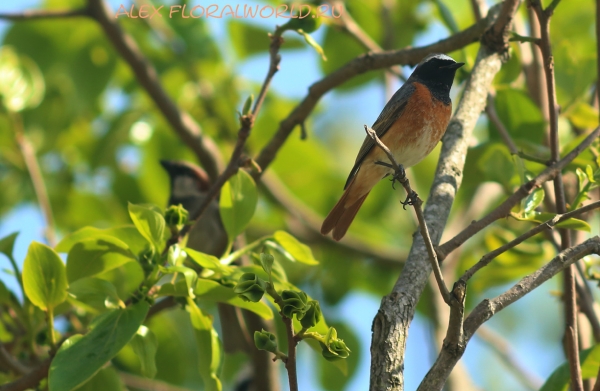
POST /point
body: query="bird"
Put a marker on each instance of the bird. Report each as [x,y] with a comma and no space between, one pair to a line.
[188,187]
[411,124]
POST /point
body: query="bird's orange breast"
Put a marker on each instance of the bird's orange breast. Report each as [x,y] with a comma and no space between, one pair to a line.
[420,127]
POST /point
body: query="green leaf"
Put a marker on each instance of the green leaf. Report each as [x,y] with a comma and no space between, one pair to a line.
[248,39]
[590,173]
[44,276]
[533,200]
[105,379]
[144,345]
[447,16]
[21,82]
[207,261]
[7,244]
[311,42]
[497,164]
[266,261]
[583,115]
[96,293]
[91,257]
[126,233]
[520,115]
[190,276]
[295,250]
[213,291]
[209,344]
[150,222]
[80,357]
[237,203]
[571,223]
[559,379]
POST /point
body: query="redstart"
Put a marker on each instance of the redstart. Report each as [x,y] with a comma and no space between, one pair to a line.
[411,124]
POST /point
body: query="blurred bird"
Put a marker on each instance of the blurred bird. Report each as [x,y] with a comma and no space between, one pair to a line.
[410,125]
[189,184]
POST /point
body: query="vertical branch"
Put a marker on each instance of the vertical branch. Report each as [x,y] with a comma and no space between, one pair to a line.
[559,192]
[37,179]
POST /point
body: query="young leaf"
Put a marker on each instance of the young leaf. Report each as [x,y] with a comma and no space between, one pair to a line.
[237,203]
[7,244]
[266,261]
[128,234]
[80,357]
[533,200]
[207,261]
[209,344]
[311,42]
[297,251]
[213,291]
[44,277]
[559,379]
[190,276]
[144,345]
[571,223]
[150,222]
[105,379]
[91,257]
[96,293]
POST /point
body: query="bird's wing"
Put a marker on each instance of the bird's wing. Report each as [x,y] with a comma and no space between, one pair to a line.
[390,113]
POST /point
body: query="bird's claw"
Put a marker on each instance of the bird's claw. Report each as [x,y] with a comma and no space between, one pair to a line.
[410,200]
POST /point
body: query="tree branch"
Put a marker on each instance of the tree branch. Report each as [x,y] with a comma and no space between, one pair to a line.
[548,225]
[37,179]
[247,123]
[570,298]
[448,357]
[311,220]
[503,209]
[361,64]
[183,124]
[45,14]
[390,326]
[29,380]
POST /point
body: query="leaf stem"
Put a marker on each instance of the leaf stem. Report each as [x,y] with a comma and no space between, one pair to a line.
[51,327]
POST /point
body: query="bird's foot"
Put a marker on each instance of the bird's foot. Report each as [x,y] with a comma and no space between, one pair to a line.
[410,200]
[398,175]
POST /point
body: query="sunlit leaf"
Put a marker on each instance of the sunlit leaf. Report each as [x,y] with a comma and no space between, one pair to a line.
[208,342]
[80,357]
[128,234]
[572,223]
[44,276]
[91,257]
[96,293]
[559,379]
[150,222]
[297,251]
[237,203]
[144,345]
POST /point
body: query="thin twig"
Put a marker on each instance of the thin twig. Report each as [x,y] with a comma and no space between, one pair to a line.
[361,64]
[570,298]
[45,14]
[347,23]
[11,363]
[434,380]
[504,351]
[416,202]
[37,178]
[503,209]
[490,110]
[247,123]
[290,362]
[548,225]
[30,379]
[182,123]
[311,220]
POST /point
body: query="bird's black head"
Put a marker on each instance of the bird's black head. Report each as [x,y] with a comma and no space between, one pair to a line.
[437,71]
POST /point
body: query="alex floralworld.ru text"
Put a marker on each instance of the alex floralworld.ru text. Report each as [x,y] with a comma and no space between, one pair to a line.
[299,11]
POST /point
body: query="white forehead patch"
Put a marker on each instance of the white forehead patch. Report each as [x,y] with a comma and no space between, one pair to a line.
[438,56]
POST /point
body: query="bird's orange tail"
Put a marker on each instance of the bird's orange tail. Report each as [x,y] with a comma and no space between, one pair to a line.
[340,217]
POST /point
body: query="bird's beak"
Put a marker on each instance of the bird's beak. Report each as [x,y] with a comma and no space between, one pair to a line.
[456,65]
